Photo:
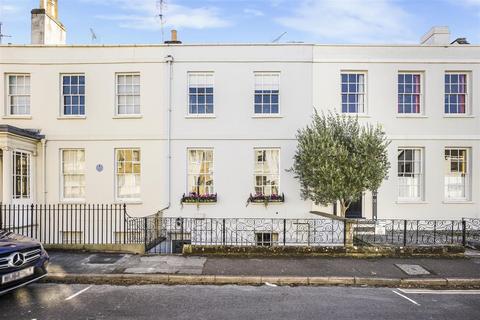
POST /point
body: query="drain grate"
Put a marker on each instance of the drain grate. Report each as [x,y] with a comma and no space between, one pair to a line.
[413,269]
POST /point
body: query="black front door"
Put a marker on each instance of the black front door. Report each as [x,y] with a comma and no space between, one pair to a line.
[355,209]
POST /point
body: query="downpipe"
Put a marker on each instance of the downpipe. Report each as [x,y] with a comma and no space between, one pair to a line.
[169,60]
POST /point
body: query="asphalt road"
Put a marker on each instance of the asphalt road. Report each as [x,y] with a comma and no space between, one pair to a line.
[70,302]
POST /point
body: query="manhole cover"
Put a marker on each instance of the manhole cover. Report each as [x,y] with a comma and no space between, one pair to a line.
[103,259]
[413,269]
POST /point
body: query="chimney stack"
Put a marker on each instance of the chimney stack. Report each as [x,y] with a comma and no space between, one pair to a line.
[436,36]
[46,28]
[173,39]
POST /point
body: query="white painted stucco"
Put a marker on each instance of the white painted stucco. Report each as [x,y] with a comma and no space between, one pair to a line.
[309,78]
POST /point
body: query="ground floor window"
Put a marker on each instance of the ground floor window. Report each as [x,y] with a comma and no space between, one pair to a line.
[73,174]
[410,173]
[267,171]
[21,175]
[457,174]
[266,238]
[128,169]
[200,172]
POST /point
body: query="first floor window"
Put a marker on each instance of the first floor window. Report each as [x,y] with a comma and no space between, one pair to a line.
[200,93]
[200,171]
[353,87]
[267,171]
[73,94]
[409,93]
[410,173]
[456,93]
[128,167]
[73,174]
[128,94]
[457,174]
[21,175]
[266,92]
[18,92]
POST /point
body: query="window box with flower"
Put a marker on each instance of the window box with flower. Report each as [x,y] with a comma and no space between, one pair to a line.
[195,198]
[265,199]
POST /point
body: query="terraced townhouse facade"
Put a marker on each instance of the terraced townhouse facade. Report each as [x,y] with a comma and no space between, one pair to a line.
[150,125]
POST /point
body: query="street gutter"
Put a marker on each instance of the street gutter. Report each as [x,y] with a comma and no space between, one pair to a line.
[168,279]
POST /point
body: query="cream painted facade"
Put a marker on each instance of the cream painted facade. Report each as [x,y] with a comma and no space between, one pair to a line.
[309,77]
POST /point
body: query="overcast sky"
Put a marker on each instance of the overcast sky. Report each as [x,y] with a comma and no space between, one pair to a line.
[230,21]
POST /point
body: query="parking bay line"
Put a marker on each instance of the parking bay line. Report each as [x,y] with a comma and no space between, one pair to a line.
[426,291]
[405,297]
[78,293]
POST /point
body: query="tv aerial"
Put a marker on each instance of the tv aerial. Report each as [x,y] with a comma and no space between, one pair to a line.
[3,35]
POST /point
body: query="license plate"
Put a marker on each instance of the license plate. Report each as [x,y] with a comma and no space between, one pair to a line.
[9,277]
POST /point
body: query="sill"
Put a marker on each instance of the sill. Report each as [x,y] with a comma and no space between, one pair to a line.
[359,115]
[72,118]
[199,203]
[411,202]
[268,203]
[73,201]
[267,116]
[411,116]
[457,202]
[207,116]
[18,117]
[127,116]
[458,116]
[128,201]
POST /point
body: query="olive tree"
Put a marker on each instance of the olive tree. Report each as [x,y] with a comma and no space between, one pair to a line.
[337,159]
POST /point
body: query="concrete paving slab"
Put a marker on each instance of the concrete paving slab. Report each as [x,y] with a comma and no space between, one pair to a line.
[412,269]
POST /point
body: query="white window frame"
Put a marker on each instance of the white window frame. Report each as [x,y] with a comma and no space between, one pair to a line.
[124,199]
[205,74]
[266,243]
[468,109]
[468,175]
[263,74]
[62,100]
[28,176]
[132,94]
[421,94]
[255,173]
[420,174]
[212,171]
[9,94]
[365,92]
[62,175]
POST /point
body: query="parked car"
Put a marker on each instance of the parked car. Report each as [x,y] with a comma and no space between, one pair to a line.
[22,261]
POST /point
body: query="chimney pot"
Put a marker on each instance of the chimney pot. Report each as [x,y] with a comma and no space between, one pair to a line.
[173,38]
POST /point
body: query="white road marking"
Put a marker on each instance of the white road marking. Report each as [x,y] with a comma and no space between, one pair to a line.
[270,284]
[426,291]
[405,297]
[76,294]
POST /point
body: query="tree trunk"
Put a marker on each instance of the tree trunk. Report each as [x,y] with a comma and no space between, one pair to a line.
[343,208]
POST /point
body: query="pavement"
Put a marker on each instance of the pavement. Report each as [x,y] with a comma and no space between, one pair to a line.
[78,301]
[104,268]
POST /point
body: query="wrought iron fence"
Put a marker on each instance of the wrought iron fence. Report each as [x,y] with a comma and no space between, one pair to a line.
[73,223]
[398,232]
[472,229]
[111,224]
[175,232]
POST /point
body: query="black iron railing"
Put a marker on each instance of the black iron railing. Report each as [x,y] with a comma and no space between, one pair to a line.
[110,224]
[398,232]
[174,232]
[73,223]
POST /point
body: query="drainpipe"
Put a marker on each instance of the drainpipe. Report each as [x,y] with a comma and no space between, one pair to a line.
[44,177]
[169,60]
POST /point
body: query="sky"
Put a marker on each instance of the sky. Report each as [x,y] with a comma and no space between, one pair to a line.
[257,21]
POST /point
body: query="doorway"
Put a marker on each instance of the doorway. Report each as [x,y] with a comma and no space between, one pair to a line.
[355,210]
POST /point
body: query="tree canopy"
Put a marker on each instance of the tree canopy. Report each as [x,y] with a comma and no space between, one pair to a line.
[337,159]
